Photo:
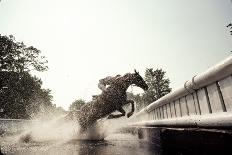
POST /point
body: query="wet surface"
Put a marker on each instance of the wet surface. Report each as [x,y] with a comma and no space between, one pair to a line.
[118,144]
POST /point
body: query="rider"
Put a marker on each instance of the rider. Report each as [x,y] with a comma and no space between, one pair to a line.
[103,83]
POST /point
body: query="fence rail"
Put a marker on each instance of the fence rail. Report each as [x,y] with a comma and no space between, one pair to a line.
[205,95]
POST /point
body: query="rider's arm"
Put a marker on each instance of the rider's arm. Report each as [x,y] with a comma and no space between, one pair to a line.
[103,82]
[102,85]
[106,81]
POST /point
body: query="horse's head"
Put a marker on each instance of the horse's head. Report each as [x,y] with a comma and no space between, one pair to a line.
[138,81]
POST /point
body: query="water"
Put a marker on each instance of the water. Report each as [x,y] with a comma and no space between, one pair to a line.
[56,136]
[114,144]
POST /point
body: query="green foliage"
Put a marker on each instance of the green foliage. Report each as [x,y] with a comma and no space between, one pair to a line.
[76,105]
[17,57]
[157,83]
[137,98]
[57,111]
[158,87]
[21,95]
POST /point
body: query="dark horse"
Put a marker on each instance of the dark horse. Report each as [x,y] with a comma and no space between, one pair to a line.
[112,99]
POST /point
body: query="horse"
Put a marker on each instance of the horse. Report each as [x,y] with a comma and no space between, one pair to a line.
[110,100]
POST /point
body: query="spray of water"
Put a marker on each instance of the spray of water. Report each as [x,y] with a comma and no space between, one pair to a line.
[44,134]
[60,130]
[48,130]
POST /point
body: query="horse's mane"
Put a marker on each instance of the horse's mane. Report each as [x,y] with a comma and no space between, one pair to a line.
[120,81]
[126,76]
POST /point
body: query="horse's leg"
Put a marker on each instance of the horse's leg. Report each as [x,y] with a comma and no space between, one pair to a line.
[123,113]
[132,108]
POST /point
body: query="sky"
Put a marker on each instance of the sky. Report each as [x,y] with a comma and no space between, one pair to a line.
[86,40]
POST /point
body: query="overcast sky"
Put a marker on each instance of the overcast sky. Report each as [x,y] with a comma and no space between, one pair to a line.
[90,39]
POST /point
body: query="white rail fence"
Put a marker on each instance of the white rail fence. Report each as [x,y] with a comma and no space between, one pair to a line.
[204,100]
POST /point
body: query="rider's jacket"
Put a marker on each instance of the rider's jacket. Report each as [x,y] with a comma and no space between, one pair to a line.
[107,81]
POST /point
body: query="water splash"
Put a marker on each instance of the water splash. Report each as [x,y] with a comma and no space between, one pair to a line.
[60,130]
[46,134]
[50,130]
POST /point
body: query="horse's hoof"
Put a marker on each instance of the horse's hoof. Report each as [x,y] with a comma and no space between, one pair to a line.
[129,115]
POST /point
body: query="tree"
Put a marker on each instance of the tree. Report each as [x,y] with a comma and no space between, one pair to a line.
[58,111]
[137,98]
[21,95]
[17,57]
[157,83]
[76,105]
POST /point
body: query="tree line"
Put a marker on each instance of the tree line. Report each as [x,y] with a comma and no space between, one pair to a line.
[21,93]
